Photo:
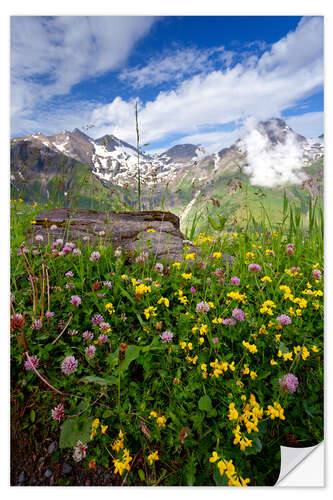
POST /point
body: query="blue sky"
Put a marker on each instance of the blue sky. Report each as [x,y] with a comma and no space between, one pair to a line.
[196,79]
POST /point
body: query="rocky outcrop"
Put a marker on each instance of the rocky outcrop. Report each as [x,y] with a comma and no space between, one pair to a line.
[150,232]
[134,232]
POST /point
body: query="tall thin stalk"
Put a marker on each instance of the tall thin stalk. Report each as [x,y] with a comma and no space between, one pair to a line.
[138,150]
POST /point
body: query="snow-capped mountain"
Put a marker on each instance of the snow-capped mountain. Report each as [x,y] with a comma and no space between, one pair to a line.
[115,161]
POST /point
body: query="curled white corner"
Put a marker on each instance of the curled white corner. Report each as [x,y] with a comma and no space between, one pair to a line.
[292,458]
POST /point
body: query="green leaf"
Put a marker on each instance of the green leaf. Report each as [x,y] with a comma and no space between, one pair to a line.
[190,470]
[220,480]
[132,352]
[205,403]
[142,475]
[99,380]
[73,430]
[32,416]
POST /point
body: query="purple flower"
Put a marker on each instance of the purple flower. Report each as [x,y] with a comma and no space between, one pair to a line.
[288,382]
[254,267]
[90,351]
[58,412]
[80,451]
[235,281]
[192,289]
[94,256]
[75,300]
[238,314]
[49,314]
[202,307]
[316,274]
[34,363]
[69,365]
[73,332]
[215,340]
[66,249]
[36,325]
[108,284]
[35,252]
[123,317]
[117,252]
[229,321]
[284,319]
[70,286]
[102,338]
[166,337]
[97,319]
[87,335]
[290,248]
[69,274]
[39,237]
[104,326]
[159,267]
[76,252]
[53,227]
[59,242]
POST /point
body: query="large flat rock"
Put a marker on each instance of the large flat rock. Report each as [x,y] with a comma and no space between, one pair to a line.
[134,232]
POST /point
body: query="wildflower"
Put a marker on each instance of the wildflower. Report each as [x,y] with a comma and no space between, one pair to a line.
[117,252]
[316,274]
[102,339]
[75,300]
[36,324]
[87,335]
[76,252]
[190,256]
[229,321]
[153,457]
[237,296]
[290,248]
[104,428]
[275,411]
[39,237]
[123,317]
[141,258]
[254,267]
[267,307]
[33,362]
[238,314]
[159,267]
[109,308]
[233,413]
[266,278]
[151,230]
[105,327]
[80,451]
[94,256]
[202,307]
[58,412]
[97,319]
[251,347]
[217,255]
[149,311]
[108,284]
[90,351]
[192,290]
[92,463]
[53,227]
[101,233]
[284,319]
[70,286]
[186,276]
[166,337]
[73,332]
[163,300]
[69,365]
[235,281]
[69,274]
[161,421]
[288,382]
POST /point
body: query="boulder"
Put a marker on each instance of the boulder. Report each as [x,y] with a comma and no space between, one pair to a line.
[149,232]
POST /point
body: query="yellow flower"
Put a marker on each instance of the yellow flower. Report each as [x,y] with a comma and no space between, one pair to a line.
[176,264]
[190,256]
[266,278]
[150,311]
[201,340]
[233,413]
[275,411]
[95,423]
[314,348]
[104,428]
[33,222]
[217,255]
[203,329]
[150,230]
[153,457]
[273,362]
[251,347]
[253,375]
[237,296]
[161,421]
[109,307]
[186,276]
[214,457]
[164,300]
[153,414]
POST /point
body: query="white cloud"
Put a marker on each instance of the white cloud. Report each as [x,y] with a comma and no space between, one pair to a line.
[308,124]
[261,87]
[271,166]
[176,65]
[51,54]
